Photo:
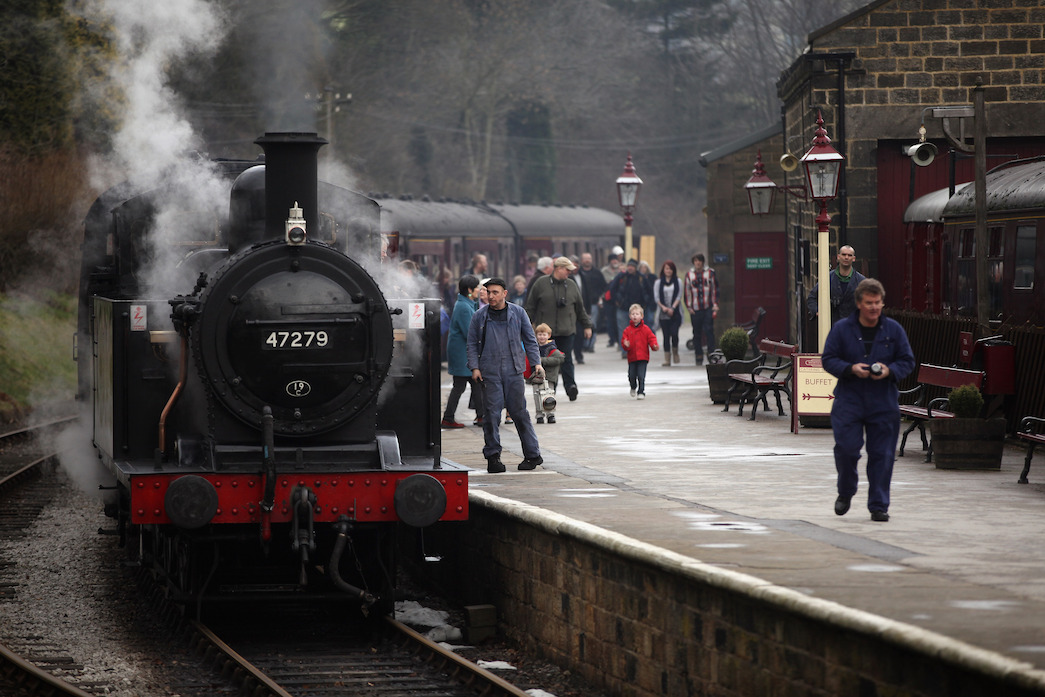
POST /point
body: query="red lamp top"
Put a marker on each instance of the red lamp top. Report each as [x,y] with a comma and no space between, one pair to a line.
[823,164]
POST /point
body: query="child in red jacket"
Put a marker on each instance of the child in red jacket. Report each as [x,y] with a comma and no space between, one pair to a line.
[638,339]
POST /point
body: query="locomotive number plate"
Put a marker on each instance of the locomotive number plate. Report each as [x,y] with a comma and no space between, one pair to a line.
[296,340]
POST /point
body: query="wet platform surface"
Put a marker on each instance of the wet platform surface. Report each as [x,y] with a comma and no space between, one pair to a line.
[962,556]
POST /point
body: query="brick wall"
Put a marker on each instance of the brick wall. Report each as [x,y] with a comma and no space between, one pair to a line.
[639,622]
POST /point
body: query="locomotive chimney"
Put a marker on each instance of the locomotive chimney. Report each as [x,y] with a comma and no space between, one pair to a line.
[291,179]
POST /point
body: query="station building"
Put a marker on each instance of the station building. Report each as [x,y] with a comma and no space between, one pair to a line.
[875,75]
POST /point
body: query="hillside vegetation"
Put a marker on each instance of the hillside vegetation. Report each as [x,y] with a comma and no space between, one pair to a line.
[36,353]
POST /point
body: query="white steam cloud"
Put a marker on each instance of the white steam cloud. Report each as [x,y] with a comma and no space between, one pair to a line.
[152,148]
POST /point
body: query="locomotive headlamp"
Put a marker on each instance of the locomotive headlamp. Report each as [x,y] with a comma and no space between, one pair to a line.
[295,226]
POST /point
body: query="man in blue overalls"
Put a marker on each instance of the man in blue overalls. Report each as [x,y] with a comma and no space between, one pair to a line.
[869,354]
[500,339]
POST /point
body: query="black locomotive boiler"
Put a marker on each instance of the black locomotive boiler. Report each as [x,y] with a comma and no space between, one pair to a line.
[272,419]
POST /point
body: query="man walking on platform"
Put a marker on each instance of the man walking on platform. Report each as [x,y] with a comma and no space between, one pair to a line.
[626,289]
[556,300]
[593,285]
[701,297]
[500,341]
[869,354]
[609,310]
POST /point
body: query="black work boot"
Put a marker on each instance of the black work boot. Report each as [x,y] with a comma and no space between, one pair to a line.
[531,463]
[494,464]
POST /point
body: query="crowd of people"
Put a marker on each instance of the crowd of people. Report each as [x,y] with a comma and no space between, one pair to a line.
[544,322]
[534,330]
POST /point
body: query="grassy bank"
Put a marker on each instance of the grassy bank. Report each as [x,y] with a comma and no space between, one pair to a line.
[36,352]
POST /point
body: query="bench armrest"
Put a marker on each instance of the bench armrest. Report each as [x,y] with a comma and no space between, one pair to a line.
[1031,424]
[740,365]
[771,369]
[916,391]
[939,403]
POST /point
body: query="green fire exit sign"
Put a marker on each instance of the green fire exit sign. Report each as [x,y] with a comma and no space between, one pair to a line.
[758,262]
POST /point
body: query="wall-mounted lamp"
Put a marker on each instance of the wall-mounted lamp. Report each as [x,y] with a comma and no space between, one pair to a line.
[823,165]
[921,153]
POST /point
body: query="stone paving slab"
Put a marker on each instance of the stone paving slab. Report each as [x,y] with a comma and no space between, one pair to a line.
[963,554]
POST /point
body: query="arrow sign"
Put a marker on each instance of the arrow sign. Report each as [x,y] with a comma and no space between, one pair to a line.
[817,396]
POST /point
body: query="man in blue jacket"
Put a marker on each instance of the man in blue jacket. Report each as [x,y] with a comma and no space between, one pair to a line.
[500,340]
[869,354]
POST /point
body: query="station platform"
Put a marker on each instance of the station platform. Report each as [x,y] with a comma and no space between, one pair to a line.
[962,557]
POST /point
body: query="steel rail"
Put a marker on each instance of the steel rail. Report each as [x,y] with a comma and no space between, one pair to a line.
[36,427]
[252,680]
[500,685]
[36,681]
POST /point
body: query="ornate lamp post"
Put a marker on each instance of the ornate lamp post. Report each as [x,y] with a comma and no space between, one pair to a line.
[628,185]
[823,164]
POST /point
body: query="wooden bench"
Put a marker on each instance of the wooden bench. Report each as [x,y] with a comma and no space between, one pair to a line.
[758,380]
[1030,430]
[919,412]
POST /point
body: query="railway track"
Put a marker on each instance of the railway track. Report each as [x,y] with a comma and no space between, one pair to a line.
[26,483]
[290,651]
[320,659]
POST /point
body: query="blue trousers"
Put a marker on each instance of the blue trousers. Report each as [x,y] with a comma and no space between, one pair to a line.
[589,344]
[506,390]
[703,330]
[565,344]
[623,320]
[882,431]
[611,323]
[637,375]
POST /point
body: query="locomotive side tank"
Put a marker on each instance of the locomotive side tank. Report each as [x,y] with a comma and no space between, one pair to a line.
[276,418]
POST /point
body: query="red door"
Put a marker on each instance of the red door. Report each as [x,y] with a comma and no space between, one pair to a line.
[760,265]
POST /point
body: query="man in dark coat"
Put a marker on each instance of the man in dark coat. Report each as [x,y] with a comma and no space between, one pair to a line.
[593,285]
[626,289]
[869,354]
[556,301]
[844,280]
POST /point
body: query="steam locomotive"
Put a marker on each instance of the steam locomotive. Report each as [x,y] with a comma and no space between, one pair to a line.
[269,414]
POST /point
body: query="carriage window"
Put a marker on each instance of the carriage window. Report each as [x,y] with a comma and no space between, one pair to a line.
[945,275]
[966,244]
[1026,241]
[997,243]
[966,290]
[996,268]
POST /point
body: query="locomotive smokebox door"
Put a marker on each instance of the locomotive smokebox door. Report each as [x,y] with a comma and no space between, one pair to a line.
[301,329]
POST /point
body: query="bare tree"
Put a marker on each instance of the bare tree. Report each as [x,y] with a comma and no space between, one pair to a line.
[764,39]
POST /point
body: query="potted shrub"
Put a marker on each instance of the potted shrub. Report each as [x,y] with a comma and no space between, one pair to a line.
[967,441]
[732,345]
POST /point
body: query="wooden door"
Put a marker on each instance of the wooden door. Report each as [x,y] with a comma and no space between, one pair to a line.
[760,267]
